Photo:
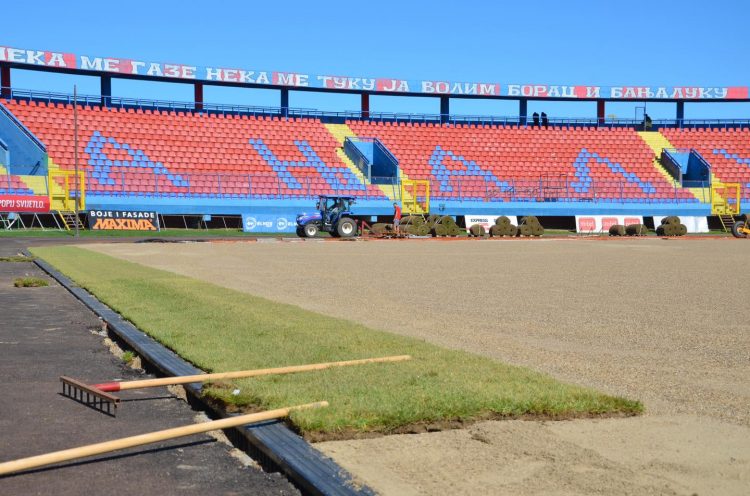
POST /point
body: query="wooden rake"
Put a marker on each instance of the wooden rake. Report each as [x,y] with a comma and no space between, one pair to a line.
[98,397]
[33,462]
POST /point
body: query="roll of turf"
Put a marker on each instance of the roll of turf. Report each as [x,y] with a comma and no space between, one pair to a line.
[666,230]
[524,230]
[439,230]
[672,219]
[412,220]
[502,221]
[423,230]
[454,230]
[477,231]
[636,230]
[379,228]
[681,229]
[513,231]
[530,220]
[537,230]
[495,231]
[447,221]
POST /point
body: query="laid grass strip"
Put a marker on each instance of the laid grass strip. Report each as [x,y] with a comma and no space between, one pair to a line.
[17,258]
[30,282]
[219,329]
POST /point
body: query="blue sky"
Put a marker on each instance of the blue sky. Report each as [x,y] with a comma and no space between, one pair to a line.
[658,43]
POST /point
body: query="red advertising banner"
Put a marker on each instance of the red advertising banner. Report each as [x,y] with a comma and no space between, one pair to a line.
[24,204]
[153,69]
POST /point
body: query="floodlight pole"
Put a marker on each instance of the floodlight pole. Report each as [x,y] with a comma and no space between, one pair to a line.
[75,154]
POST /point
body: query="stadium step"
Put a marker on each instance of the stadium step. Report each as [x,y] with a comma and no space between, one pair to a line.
[38,184]
[343,131]
[657,142]
[702,194]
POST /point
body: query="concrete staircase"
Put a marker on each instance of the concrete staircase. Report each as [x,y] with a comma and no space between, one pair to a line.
[343,131]
[657,142]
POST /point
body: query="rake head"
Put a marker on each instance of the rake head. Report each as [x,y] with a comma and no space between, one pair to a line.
[89,395]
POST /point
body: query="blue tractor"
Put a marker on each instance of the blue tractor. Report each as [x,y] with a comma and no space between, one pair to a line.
[334,216]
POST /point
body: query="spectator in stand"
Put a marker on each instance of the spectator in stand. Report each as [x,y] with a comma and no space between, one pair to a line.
[545,121]
[647,124]
[396,218]
[535,116]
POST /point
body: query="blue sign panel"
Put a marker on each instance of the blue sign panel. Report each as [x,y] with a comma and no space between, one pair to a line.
[268,223]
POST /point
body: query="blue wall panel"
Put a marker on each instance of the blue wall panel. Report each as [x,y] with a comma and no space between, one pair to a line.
[25,155]
[291,208]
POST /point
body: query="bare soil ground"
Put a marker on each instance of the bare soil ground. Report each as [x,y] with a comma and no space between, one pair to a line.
[663,321]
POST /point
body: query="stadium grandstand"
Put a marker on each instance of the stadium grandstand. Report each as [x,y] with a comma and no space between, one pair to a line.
[197,159]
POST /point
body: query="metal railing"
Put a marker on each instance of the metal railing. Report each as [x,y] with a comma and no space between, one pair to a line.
[357,157]
[385,151]
[151,104]
[670,162]
[222,186]
[4,154]
[392,117]
[363,163]
[702,160]
[457,188]
[479,188]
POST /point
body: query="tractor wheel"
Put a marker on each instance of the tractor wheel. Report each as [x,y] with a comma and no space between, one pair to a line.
[346,228]
[311,230]
[300,231]
[739,230]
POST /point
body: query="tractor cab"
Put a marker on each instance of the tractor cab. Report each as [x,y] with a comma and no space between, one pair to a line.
[332,208]
[333,216]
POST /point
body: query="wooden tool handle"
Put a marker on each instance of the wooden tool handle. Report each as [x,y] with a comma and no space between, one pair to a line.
[148,438]
[187,379]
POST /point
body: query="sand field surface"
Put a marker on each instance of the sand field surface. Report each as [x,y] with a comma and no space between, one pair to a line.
[662,321]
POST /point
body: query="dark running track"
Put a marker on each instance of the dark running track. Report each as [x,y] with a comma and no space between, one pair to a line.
[45,333]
